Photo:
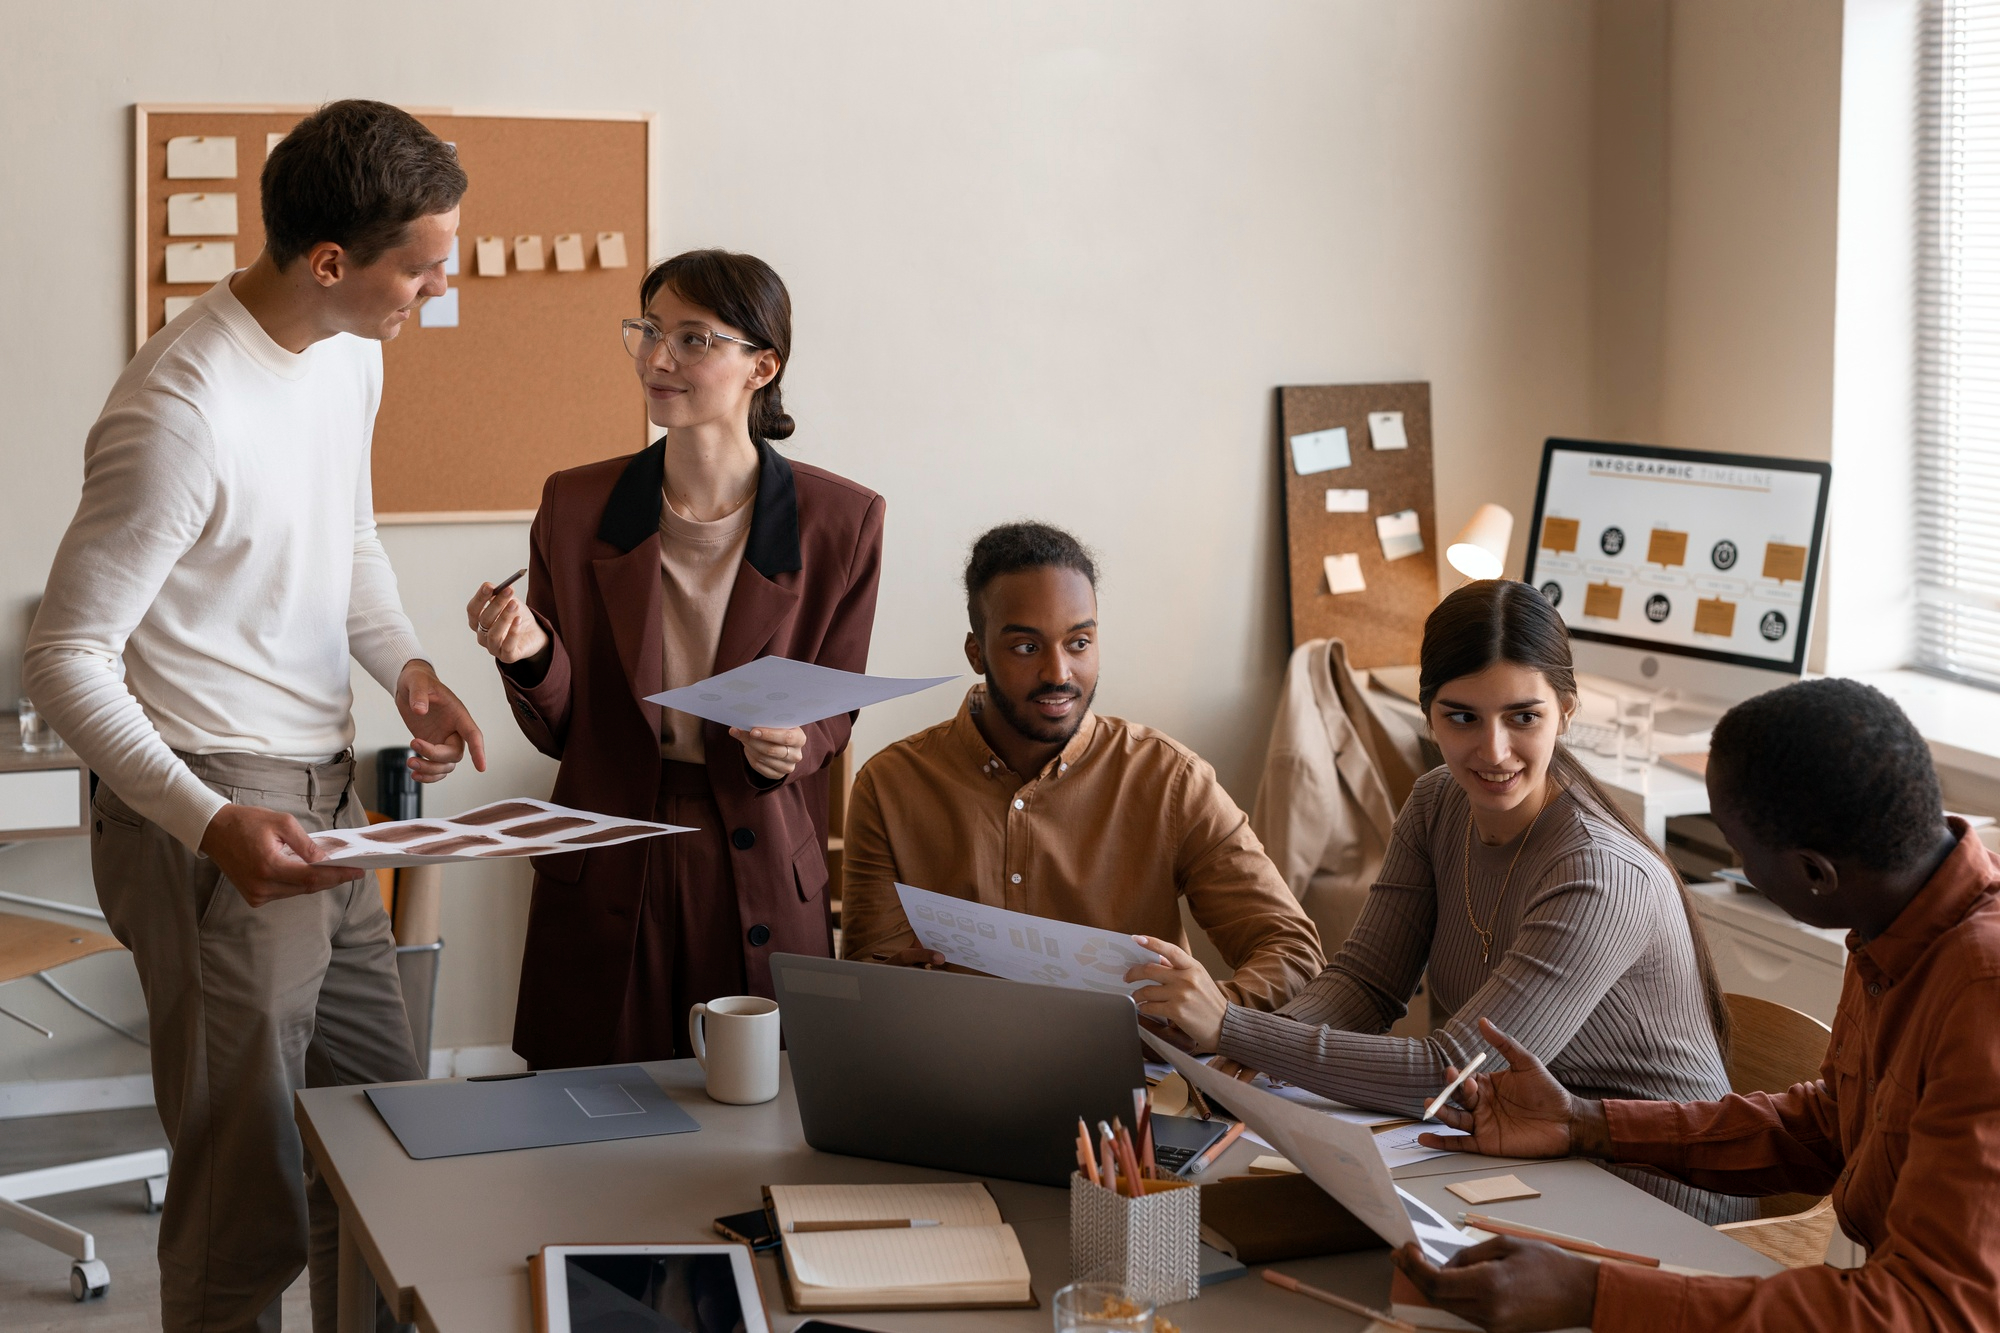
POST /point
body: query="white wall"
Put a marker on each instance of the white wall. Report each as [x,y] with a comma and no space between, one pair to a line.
[1048,259]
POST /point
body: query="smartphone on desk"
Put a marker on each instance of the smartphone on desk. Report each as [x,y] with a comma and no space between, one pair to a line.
[753,1228]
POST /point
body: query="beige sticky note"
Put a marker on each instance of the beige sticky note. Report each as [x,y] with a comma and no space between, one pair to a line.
[200,261]
[201,214]
[1786,564]
[194,157]
[1559,534]
[1666,547]
[1385,430]
[1343,574]
[528,254]
[1493,1189]
[1267,1165]
[611,249]
[569,252]
[177,305]
[1712,615]
[1603,600]
[490,257]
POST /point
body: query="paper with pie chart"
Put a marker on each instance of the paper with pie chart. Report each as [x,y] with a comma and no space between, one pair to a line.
[520,826]
[779,692]
[1021,947]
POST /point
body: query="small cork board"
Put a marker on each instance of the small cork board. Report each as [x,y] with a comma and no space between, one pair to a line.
[533,377]
[1370,520]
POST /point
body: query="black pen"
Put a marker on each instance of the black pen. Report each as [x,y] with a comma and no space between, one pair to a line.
[507,582]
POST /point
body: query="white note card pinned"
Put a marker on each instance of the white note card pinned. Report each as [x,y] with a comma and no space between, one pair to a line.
[1343,574]
[194,157]
[528,254]
[200,261]
[491,256]
[1346,502]
[569,253]
[1385,430]
[1320,451]
[273,139]
[201,215]
[1401,534]
[177,305]
[451,260]
[611,249]
[440,312]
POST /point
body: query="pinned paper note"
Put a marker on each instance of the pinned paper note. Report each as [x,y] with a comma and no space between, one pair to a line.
[528,254]
[451,260]
[490,257]
[1385,430]
[200,261]
[1343,574]
[611,249]
[201,215]
[1346,502]
[1021,947]
[569,253]
[1320,451]
[521,826]
[177,306]
[440,312]
[1401,534]
[193,157]
[273,139]
[780,692]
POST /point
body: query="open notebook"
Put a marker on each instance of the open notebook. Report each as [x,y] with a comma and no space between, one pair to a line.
[970,1259]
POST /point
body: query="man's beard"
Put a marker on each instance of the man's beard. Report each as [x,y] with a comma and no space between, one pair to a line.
[1034,728]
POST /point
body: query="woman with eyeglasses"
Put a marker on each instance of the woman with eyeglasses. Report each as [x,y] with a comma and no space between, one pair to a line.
[650,572]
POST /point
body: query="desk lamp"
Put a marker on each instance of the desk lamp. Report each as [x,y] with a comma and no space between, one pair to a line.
[1481,549]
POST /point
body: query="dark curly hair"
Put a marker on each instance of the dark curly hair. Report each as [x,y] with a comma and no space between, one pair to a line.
[1834,767]
[1013,547]
[358,174]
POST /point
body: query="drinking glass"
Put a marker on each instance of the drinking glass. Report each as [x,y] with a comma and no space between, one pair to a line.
[1635,731]
[1082,1307]
[34,735]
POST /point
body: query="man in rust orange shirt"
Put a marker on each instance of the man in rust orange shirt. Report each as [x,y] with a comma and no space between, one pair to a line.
[1828,793]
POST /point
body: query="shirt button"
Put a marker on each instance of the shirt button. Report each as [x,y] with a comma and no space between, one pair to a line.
[1017,879]
[744,839]
[1874,989]
[1020,804]
[760,935]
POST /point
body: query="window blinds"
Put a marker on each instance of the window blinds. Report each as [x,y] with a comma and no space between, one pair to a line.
[1958,343]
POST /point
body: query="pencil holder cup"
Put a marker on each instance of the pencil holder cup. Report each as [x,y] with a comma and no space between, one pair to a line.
[1151,1245]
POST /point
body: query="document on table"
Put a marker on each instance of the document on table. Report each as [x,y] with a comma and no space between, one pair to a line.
[1020,947]
[779,692]
[519,827]
[1395,1135]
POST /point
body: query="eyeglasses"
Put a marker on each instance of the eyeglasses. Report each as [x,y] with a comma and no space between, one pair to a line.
[685,345]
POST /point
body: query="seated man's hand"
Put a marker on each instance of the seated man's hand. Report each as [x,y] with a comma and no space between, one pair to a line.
[1506,1285]
[1521,1111]
[1180,992]
[914,956]
[268,855]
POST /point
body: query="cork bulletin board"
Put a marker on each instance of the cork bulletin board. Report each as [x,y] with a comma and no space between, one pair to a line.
[533,377]
[1360,518]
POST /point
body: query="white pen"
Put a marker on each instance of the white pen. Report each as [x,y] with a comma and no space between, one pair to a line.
[1451,1087]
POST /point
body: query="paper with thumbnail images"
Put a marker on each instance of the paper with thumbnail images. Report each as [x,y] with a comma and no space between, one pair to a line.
[1020,947]
[779,692]
[521,826]
[1339,1157]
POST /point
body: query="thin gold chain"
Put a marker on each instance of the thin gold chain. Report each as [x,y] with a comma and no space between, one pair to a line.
[1485,932]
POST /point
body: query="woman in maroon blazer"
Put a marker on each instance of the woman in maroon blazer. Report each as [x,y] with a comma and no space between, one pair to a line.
[653,571]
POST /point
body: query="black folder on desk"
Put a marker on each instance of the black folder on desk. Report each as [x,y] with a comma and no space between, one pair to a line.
[555,1106]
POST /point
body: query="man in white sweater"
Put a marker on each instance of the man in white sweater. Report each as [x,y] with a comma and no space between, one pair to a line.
[192,646]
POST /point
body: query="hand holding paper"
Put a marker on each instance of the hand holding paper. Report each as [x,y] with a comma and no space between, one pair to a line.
[779,692]
[1020,947]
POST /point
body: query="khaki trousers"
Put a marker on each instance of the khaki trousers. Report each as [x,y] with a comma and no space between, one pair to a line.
[246,1006]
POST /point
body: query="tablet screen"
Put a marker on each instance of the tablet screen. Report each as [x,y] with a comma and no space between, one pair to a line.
[652,1293]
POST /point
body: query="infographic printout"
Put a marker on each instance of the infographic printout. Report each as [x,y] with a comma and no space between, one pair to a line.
[521,826]
[1678,552]
[1021,947]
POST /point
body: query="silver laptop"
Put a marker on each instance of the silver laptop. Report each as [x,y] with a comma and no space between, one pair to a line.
[956,1072]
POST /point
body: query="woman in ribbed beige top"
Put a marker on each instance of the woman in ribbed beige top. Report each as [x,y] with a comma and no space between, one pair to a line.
[1517,885]
[698,562]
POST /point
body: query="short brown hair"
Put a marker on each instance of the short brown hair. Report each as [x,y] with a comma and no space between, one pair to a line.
[743,292]
[358,174]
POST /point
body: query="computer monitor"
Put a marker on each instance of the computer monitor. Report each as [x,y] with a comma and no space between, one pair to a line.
[1679,569]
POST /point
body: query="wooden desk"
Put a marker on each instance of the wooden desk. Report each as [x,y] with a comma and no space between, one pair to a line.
[448,1239]
[43,793]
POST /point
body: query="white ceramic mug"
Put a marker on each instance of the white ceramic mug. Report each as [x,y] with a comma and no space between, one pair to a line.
[735,1039]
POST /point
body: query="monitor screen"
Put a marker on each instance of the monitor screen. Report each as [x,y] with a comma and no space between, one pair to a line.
[1711,556]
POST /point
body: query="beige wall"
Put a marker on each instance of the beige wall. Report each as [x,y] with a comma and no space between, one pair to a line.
[1048,259]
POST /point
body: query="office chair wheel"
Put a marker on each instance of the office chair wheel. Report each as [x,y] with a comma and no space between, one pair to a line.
[156,1194]
[88,1279]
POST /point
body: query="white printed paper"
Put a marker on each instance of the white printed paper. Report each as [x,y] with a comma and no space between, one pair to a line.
[201,215]
[1385,430]
[779,692]
[1346,502]
[1320,451]
[201,157]
[1020,947]
[521,826]
[1401,534]
[1343,574]
[200,261]
[440,312]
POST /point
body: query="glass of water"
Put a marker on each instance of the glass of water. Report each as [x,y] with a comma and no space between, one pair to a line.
[34,735]
[1635,731]
[1097,1307]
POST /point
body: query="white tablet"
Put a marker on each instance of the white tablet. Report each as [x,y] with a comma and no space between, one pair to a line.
[647,1289]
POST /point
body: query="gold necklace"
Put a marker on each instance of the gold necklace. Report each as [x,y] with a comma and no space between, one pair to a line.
[686,510]
[1485,933]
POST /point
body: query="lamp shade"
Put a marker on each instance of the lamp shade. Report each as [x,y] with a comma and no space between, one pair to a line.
[1481,549]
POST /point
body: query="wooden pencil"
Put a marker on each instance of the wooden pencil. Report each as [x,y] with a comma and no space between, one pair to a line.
[1298,1288]
[1561,1242]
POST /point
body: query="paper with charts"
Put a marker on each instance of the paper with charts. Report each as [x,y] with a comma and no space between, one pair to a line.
[779,692]
[1020,947]
[522,826]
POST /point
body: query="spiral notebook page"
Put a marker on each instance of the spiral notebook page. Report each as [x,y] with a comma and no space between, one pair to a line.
[947,1205]
[951,1256]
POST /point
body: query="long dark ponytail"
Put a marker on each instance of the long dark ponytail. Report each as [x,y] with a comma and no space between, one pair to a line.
[1498,620]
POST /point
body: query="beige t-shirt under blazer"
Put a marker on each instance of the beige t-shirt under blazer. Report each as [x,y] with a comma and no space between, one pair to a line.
[698,564]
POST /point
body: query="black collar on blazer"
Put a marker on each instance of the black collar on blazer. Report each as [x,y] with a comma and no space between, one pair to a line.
[633,512]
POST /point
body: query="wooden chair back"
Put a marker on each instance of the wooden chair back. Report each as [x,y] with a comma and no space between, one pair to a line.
[1772,1047]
